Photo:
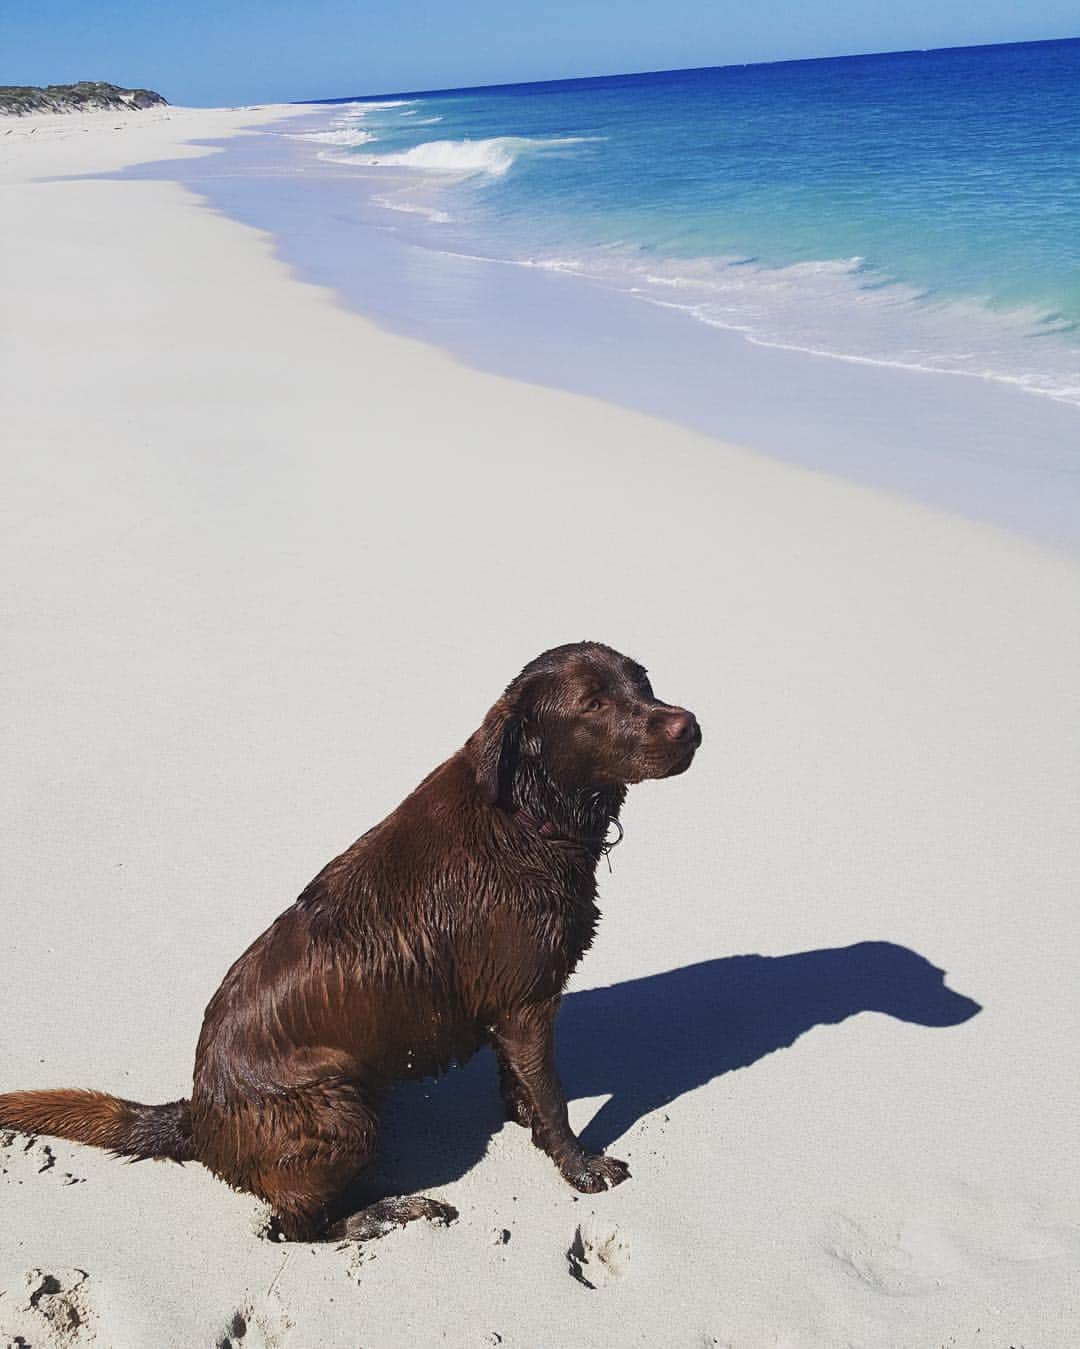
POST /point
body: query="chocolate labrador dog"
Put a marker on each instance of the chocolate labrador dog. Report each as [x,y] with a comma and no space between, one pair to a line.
[452,924]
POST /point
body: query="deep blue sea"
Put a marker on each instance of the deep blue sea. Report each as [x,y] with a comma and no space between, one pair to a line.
[918,209]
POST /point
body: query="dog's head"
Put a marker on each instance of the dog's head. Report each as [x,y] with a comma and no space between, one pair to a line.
[589,717]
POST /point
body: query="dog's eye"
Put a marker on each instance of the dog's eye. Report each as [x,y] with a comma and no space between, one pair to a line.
[594,705]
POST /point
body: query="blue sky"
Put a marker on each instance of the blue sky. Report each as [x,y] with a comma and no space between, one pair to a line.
[244,51]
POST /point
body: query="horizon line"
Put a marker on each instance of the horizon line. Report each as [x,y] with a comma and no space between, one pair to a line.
[687,70]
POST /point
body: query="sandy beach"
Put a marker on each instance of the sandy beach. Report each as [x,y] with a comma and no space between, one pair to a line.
[830,1019]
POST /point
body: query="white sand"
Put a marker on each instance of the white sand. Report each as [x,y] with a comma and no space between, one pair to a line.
[241,527]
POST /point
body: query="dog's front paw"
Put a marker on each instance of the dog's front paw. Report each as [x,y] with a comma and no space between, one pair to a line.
[591,1174]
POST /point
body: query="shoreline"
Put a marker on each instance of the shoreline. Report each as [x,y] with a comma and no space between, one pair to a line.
[984,449]
[243,526]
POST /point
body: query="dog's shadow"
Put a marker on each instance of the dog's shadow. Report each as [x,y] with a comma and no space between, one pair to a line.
[646,1042]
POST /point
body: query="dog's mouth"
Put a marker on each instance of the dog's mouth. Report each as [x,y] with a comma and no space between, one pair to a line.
[683,762]
[677,760]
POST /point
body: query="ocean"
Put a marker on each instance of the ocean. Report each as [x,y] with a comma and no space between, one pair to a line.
[867,264]
[919,209]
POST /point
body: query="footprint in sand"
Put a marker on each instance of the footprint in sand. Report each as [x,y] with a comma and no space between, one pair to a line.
[29,1153]
[599,1255]
[266,1327]
[57,1310]
[906,1257]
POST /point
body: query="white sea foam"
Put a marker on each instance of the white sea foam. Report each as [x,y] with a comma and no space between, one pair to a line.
[338,136]
[464,158]
[412,208]
[494,156]
[377,105]
[839,308]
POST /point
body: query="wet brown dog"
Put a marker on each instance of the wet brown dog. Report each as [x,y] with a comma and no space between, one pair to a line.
[454,923]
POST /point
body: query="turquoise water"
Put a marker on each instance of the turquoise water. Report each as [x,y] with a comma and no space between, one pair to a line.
[869,266]
[918,209]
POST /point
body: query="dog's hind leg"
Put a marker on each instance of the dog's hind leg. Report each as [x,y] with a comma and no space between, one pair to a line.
[297,1216]
[309,1200]
[385,1214]
[304,1195]
[306,1212]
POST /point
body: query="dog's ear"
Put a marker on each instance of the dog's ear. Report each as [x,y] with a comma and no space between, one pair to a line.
[496,750]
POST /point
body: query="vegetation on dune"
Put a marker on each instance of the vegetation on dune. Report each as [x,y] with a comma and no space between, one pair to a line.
[85,96]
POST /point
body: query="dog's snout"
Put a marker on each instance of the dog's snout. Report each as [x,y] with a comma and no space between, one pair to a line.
[683,726]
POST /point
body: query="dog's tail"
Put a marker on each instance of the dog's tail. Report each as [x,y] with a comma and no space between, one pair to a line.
[124,1127]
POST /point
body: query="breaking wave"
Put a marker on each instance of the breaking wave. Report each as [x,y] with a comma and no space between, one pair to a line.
[493,156]
[362,106]
[342,136]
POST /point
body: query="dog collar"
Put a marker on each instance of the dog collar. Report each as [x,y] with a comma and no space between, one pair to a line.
[547,829]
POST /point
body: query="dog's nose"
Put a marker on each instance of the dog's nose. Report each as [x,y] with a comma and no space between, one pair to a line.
[683,726]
